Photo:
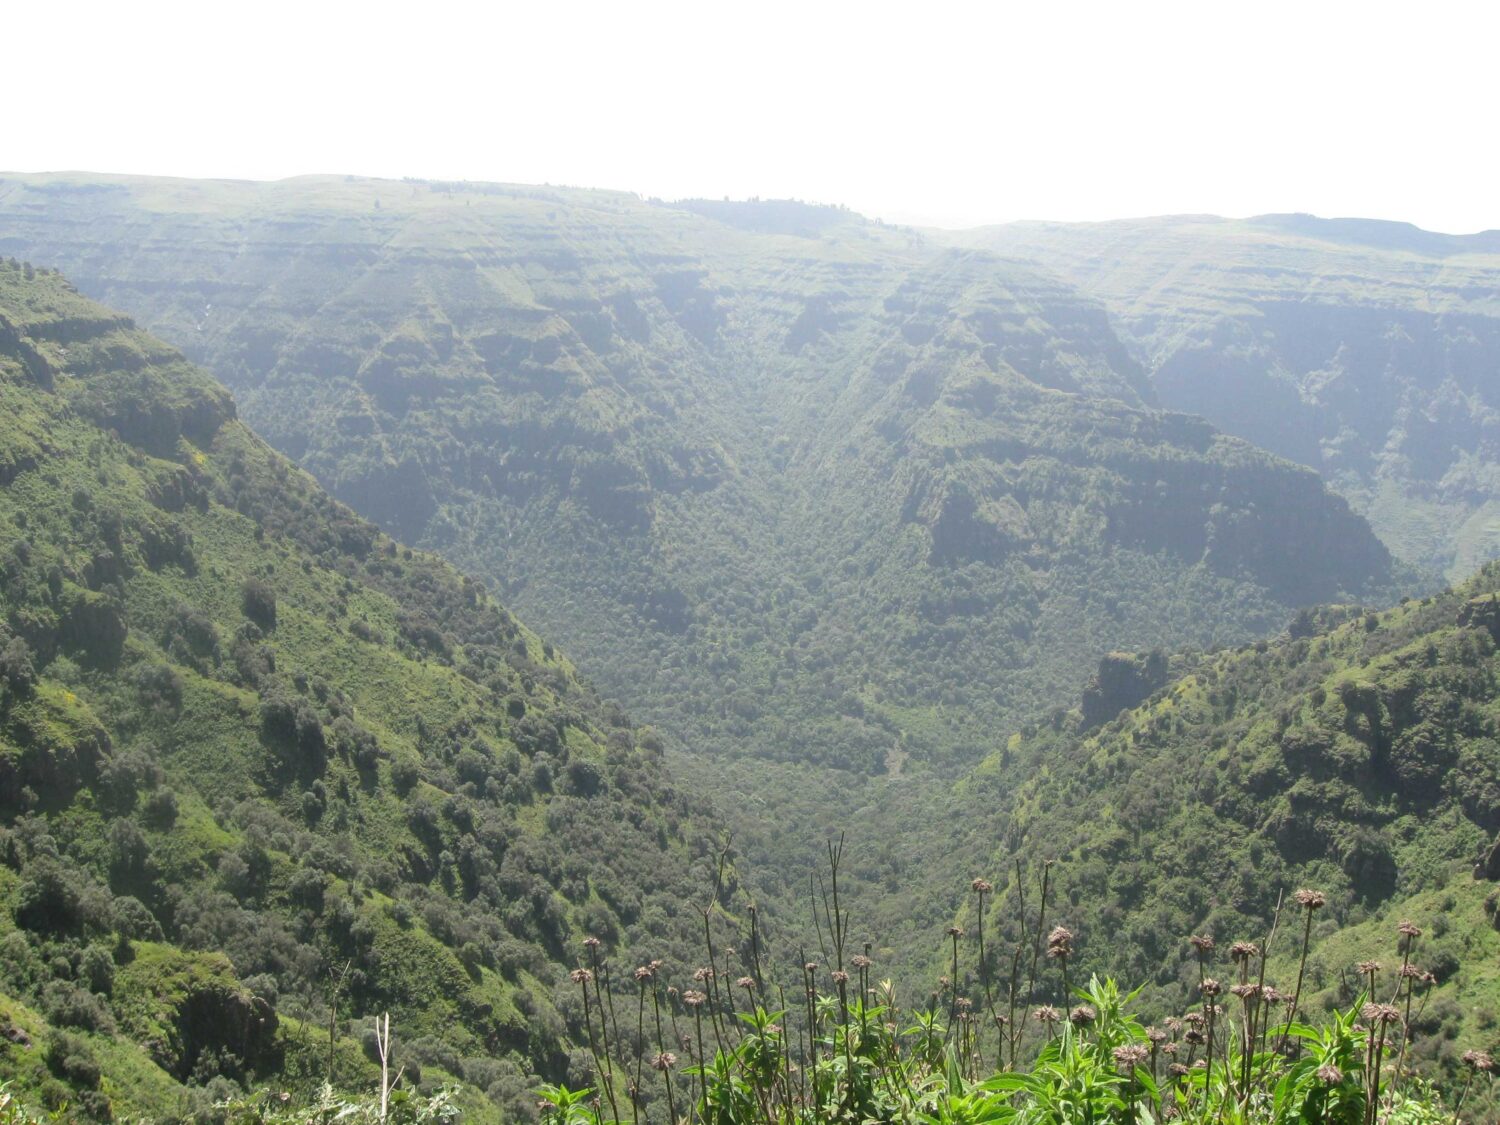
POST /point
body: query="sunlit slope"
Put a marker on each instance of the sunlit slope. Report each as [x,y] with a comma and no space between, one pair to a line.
[1357,755]
[246,740]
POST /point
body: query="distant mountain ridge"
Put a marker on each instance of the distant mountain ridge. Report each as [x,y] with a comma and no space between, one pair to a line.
[1367,350]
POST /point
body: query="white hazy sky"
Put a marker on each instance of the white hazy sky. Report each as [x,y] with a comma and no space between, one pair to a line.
[943,113]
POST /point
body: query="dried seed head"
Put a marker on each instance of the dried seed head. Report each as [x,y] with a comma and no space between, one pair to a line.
[860,961]
[644,972]
[1330,1074]
[963,1003]
[1368,968]
[1203,943]
[810,967]
[1410,972]
[703,974]
[664,1061]
[1130,1055]
[1210,987]
[693,998]
[1194,1019]
[1479,1060]
[955,931]
[747,983]
[1270,995]
[1408,930]
[1173,1023]
[1060,942]
[839,976]
[1082,1016]
[981,886]
[1046,1014]
[1194,1037]
[1156,1035]
[592,943]
[1242,951]
[581,976]
[1169,1048]
[1177,1070]
[1245,992]
[1309,900]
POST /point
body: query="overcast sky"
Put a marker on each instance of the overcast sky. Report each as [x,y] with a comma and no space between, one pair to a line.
[950,114]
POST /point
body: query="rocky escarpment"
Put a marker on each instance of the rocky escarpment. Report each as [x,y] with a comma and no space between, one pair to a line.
[1365,350]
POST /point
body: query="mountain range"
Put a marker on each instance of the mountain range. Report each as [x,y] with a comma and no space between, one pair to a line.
[967,544]
[1363,349]
[262,769]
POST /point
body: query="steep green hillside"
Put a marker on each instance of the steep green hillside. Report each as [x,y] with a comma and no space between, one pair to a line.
[1369,351]
[1358,755]
[249,744]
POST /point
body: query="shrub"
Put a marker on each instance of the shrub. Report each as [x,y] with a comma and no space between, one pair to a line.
[161,808]
[49,900]
[67,1005]
[70,1058]
[96,968]
[17,675]
[258,602]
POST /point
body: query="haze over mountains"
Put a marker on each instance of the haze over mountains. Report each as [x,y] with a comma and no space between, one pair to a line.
[855,515]
[1366,350]
[757,463]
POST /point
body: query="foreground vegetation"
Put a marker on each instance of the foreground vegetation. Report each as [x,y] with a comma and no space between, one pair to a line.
[743,1040]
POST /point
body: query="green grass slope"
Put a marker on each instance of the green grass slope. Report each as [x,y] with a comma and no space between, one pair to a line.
[1363,349]
[247,741]
[1358,755]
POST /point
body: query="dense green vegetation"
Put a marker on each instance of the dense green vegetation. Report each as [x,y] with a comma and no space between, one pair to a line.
[1364,349]
[831,506]
[838,509]
[1359,754]
[1006,1036]
[261,768]
[817,492]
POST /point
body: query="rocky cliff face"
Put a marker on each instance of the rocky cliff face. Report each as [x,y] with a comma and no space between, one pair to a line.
[1368,351]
